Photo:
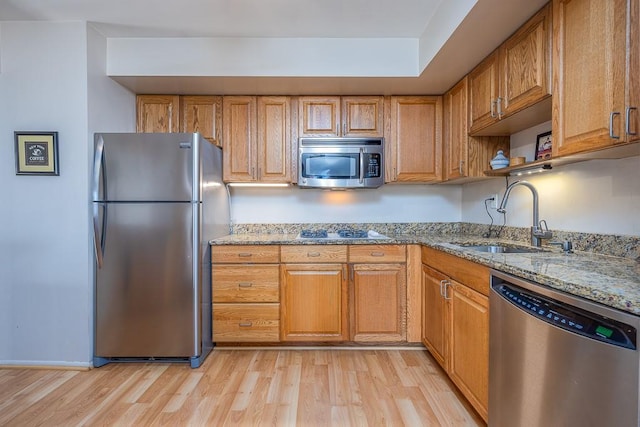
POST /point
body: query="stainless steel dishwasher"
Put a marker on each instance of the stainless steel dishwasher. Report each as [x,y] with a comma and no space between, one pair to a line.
[559,360]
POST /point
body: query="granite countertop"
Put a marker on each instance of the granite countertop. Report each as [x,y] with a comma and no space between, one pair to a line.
[609,280]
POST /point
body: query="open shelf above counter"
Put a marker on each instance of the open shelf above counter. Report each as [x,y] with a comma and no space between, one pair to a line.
[616,152]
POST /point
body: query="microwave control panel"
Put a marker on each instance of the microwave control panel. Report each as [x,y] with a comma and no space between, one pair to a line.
[372,160]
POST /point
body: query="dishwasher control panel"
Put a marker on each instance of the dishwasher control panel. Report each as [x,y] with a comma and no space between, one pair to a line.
[590,325]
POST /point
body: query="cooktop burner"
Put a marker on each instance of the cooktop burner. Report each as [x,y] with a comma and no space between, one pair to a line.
[353,234]
[340,234]
[314,234]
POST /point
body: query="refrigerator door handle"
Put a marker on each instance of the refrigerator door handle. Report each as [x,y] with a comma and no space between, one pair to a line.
[99,170]
[99,231]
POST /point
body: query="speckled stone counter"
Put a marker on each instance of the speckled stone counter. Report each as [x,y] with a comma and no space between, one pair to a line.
[610,280]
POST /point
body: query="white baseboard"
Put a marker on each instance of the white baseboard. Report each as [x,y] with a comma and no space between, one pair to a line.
[44,364]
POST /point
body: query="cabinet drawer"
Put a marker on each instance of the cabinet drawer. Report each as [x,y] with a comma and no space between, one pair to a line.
[246,322]
[473,275]
[246,283]
[314,253]
[377,253]
[243,254]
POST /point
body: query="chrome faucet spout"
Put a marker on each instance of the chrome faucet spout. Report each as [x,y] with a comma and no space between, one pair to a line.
[538,232]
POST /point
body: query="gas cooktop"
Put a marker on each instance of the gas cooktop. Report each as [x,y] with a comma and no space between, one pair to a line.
[340,234]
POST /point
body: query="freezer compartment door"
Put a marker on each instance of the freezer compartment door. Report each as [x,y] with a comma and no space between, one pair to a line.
[147,293]
[145,167]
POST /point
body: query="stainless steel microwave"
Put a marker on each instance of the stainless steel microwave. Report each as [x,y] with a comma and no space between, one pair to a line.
[341,162]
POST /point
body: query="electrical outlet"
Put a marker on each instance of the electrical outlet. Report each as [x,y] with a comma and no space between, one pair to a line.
[493,202]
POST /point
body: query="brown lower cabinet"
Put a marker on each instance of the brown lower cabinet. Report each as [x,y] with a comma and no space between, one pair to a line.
[456,322]
[313,293]
[313,286]
[246,293]
[378,293]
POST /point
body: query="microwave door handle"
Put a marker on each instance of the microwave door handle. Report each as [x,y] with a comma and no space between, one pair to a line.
[361,165]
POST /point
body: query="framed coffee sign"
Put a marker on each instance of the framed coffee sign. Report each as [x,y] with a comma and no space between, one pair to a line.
[36,153]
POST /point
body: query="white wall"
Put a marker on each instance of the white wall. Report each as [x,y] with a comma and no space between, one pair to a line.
[598,196]
[111,108]
[46,269]
[246,56]
[389,203]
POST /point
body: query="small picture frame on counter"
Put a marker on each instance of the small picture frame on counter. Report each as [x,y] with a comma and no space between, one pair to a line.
[543,146]
[36,153]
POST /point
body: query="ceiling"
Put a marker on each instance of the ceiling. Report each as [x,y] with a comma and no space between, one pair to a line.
[484,28]
[234,18]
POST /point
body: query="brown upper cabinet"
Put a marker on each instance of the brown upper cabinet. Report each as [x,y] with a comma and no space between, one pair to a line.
[414,147]
[173,113]
[513,79]
[333,116]
[596,75]
[465,157]
[202,114]
[257,139]
[157,113]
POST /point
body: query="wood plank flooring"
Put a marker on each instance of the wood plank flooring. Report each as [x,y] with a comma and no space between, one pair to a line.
[243,387]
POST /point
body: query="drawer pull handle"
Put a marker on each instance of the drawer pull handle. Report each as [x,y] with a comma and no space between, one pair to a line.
[313,254]
[628,121]
[245,285]
[245,324]
[611,117]
[377,253]
[245,255]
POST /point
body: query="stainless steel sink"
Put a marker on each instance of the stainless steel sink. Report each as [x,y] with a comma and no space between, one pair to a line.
[499,249]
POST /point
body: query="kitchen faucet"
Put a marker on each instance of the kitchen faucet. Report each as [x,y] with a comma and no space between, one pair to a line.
[538,232]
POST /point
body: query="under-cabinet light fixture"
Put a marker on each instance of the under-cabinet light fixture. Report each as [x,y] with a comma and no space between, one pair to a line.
[531,170]
[258,184]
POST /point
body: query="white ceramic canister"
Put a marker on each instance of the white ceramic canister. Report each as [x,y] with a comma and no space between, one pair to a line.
[499,161]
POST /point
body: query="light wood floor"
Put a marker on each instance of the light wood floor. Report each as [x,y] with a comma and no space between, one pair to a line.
[242,388]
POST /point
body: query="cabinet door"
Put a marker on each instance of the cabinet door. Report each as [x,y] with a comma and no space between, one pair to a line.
[469,335]
[466,156]
[246,322]
[435,315]
[415,148]
[589,54]
[202,114]
[632,102]
[483,93]
[379,303]
[319,115]
[241,283]
[274,139]
[313,302]
[157,113]
[525,67]
[455,134]
[239,150]
[362,116]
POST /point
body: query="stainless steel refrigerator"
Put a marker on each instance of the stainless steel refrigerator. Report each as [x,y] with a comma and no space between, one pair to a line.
[157,201]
